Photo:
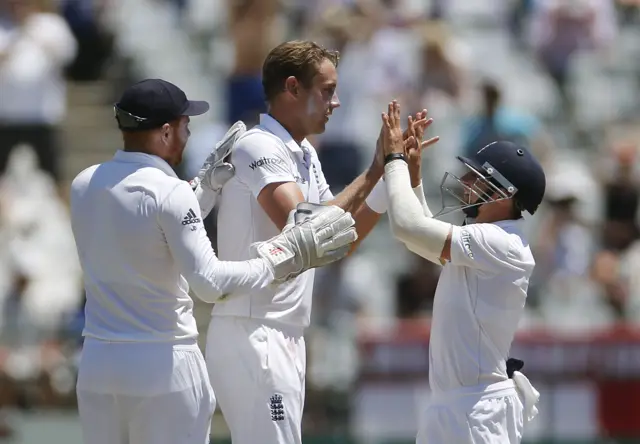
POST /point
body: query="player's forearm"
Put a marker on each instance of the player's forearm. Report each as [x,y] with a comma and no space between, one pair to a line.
[223,279]
[422,234]
[365,219]
[353,196]
[419,192]
[353,199]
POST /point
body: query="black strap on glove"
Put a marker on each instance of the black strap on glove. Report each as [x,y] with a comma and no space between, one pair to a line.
[514,365]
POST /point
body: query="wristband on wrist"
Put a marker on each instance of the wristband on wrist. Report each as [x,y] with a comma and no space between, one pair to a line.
[394,156]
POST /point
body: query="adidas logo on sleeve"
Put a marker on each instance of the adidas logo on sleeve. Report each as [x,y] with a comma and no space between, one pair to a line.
[190,218]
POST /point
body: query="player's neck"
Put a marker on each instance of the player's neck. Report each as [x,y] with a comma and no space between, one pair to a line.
[491,219]
[492,214]
[288,122]
[138,143]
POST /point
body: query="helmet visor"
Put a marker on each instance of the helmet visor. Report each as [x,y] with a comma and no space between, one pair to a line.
[477,186]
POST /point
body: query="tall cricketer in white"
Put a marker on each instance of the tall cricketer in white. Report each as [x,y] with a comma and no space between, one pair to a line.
[255,347]
[475,397]
[142,245]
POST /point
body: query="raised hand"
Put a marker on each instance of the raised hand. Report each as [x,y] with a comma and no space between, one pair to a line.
[414,135]
[392,140]
[216,170]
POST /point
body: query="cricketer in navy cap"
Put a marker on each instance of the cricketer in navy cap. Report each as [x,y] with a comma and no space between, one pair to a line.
[151,103]
[144,252]
[154,117]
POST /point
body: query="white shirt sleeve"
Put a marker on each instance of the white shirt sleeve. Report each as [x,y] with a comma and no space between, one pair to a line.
[435,258]
[419,192]
[480,246]
[421,234]
[210,278]
[260,160]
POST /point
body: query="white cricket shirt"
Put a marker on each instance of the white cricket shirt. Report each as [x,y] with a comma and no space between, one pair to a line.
[141,243]
[266,154]
[478,304]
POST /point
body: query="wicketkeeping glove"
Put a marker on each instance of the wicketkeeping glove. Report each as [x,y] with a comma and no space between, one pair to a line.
[322,234]
[216,171]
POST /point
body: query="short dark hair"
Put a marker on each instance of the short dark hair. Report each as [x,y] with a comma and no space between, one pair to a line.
[296,58]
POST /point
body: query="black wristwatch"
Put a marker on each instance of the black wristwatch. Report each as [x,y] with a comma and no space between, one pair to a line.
[394,156]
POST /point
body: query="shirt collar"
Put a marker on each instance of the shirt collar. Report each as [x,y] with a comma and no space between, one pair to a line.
[510,223]
[273,126]
[144,159]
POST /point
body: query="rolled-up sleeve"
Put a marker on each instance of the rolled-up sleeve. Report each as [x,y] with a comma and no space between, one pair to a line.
[210,278]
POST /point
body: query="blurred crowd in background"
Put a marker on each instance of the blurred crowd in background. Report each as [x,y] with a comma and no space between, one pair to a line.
[561,77]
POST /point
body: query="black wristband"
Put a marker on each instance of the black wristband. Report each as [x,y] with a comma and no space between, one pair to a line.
[394,156]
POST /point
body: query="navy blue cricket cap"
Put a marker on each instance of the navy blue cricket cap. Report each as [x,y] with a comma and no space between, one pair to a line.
[505,160]
[151,103]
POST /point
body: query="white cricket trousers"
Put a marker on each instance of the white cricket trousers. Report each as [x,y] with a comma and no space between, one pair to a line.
[257,370]
[144,393]
[489,414]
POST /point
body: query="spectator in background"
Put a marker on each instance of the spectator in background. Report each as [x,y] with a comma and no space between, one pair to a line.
[35,47]
[41,250]
[495,121]
[614,266]
[624,273]
[40,276]
[443,65]
[560,29]
[95,42]
[563,247]
[621,200]
[343,145]
[251,30]
[629,11]
[392,72]
[519,12]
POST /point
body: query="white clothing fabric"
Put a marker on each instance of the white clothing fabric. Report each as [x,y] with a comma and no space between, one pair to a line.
[263,155]
[478,304]
[140,369]
[410,217]
[257,370]
[32,84]
[528,395]
[481,292]
[140,393]
[473,415]
[141,243]
[378,199]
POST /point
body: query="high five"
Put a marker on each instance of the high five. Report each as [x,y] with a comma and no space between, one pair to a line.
[482,289]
